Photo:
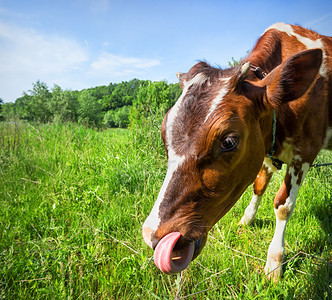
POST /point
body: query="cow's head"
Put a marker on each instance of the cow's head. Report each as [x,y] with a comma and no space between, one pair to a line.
[216,137]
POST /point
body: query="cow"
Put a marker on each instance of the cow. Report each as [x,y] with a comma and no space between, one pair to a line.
[234,127]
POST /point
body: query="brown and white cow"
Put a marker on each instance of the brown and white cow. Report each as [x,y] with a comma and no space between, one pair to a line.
[230,125]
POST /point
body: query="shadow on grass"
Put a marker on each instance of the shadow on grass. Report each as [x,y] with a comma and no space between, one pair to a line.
[263,223]
[317,283]
[319,261]
[323,275]
[323,213]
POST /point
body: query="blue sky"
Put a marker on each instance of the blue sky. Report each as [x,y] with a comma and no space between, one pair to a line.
[78,44]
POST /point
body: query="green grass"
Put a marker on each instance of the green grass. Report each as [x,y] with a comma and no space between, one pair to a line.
[73,201]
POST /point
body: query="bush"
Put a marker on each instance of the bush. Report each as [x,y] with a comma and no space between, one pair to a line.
[89,112]
[117,118]
[153,101]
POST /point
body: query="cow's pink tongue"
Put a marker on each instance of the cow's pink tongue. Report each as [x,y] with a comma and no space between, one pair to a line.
[169,261]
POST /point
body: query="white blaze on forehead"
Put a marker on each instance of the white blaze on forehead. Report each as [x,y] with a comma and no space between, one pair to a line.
[174,160]
[197,80]
[308,43]
[217,100]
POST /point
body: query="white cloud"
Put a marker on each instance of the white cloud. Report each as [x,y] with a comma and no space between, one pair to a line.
[27,55]
[26,49]
[115,66]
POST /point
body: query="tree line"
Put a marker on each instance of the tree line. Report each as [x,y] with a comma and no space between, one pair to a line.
[136,102]
[114,105]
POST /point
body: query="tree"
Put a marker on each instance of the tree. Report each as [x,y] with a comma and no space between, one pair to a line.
[8,111]
[153,101]
[39,103]
[123,94]
[122,116]
[110,105]
[63,105]
[118,117]
[23,108]
[89,111]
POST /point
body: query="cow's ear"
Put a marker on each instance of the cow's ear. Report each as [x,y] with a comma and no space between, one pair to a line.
[292,79]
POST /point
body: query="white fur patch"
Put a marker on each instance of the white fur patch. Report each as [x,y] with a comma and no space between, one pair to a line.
[308,43]
[287,153]
[268,164]
[294,179]
[251,210]
[174,160]
[153,220]
[276,251]
[217,100]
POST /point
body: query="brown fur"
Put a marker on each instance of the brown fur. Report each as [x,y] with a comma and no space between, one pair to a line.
[210,180]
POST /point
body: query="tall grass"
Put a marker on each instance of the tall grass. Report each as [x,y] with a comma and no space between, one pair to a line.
[73,201]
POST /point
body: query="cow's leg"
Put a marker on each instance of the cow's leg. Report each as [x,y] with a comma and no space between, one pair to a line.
[284,204]
[260,185]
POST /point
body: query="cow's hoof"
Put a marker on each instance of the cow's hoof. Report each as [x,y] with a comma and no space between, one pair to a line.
[273,270]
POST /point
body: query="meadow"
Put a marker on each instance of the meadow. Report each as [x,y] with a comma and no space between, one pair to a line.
[73,201]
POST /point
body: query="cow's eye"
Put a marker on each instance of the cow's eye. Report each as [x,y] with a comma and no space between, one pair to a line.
[229,142]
